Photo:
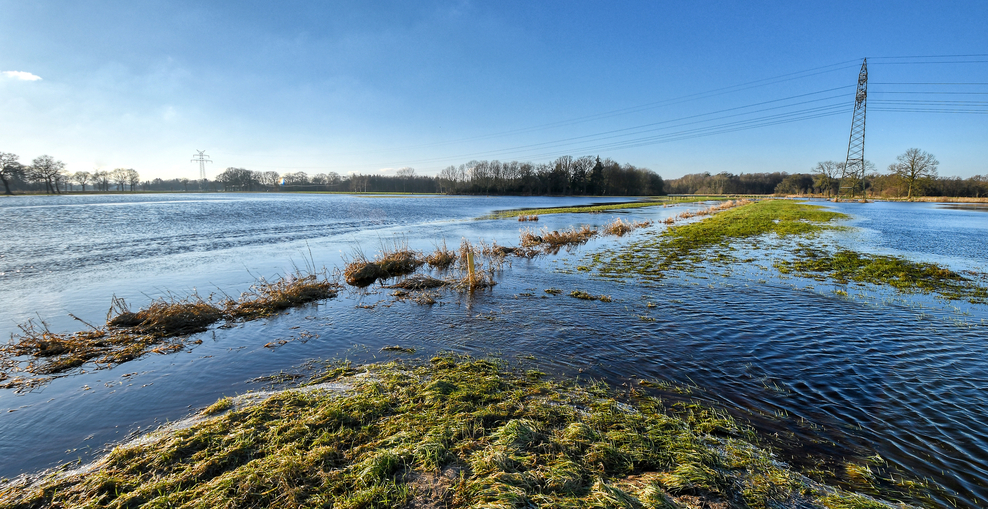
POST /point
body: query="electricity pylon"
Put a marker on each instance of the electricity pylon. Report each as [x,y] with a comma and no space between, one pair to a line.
[852,178]
[202,159]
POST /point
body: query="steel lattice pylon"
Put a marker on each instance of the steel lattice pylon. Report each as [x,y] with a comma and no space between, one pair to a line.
[852,178]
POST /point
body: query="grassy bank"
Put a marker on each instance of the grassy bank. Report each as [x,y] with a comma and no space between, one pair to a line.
[595,209]
[454,432]
[682,247]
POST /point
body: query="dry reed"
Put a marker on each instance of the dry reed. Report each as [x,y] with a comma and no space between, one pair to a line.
[551,241]
[442,258]
[620,227]
[394,260]
[163,326]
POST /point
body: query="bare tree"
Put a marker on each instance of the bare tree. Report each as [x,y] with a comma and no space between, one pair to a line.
[47,170]
[133,178]
[119,177]
[82,178]
[9,169]
[825,175]
[913,166]
[269,178]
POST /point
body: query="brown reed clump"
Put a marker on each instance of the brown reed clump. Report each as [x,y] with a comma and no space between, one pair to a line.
[529,217]
[442,258]
[163,317]
[620,228]
[393,261]
[398,263]
[552,241]
[267,298]
[362,272]
[162,327]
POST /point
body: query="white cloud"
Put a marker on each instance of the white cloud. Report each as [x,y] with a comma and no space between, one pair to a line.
[20,76]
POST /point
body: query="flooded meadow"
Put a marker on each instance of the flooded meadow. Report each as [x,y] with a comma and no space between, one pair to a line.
[873,387]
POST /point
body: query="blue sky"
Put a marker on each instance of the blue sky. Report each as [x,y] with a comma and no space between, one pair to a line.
[374,86]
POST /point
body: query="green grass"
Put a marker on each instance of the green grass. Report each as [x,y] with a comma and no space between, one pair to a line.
[651,202]
[844,266]
[456,432]
[684,247]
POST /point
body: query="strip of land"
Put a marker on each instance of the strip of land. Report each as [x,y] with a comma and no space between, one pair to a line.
[592,209]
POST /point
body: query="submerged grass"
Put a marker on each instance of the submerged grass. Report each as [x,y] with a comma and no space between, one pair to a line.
[685,246]
[457,432]
[904,275]
[163,326]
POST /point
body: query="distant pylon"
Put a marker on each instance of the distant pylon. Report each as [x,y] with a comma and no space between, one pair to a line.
[852,178]
[202,159]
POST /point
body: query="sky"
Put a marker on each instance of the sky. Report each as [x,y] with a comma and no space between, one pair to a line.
[369,87]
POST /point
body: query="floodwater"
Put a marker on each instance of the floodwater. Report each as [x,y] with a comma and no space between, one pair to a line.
[833,375]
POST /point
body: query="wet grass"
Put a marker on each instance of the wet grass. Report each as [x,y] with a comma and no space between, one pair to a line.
[580,294]
[456,432]
[844,266]
[595,209]
[686,246]
[163,326]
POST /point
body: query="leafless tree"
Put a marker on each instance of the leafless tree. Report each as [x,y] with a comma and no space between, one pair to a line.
[133,178]
[82,178]
[119,177]
[9,169]
[826,175]
[913,166]
[47,170]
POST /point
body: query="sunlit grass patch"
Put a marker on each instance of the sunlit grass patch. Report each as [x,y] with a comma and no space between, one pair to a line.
[686,246]
[456,432]
[844,266]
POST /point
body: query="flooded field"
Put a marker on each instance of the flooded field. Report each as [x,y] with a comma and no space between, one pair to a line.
[827,372]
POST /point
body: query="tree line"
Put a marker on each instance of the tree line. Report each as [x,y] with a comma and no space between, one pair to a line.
[48,175]
[588,175]
[914,173]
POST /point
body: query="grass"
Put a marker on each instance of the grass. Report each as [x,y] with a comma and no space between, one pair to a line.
[580,294]
[844,266]
[456,432]
[442,258]
[163,326]
[594,209]
[685,246]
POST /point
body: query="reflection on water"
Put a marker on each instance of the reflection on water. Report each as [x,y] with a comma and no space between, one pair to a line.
[846,376]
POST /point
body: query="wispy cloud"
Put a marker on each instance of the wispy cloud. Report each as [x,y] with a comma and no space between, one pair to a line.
[20,76]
